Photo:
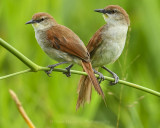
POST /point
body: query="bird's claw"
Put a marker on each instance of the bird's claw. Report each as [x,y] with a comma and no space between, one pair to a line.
[101,77]
[49,71]
[116,79]
[68,73]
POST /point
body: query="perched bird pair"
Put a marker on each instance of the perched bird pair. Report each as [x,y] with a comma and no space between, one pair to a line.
[63,45]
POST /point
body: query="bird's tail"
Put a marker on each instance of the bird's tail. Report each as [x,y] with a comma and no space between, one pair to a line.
[85,85]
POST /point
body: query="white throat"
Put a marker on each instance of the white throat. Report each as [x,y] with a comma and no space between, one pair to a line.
[40,26]
[111,20]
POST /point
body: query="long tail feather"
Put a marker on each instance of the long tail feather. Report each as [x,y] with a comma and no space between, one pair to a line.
[85,85]
[84,91]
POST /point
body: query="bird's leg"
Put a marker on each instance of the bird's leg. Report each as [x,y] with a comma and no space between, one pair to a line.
[68,73]
[116,78]
[52,67]
[101,77]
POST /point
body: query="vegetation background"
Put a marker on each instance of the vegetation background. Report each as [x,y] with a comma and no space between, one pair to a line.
[51,101]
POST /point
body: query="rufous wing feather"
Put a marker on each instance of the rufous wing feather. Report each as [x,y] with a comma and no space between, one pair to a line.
[65,40]
[95,41]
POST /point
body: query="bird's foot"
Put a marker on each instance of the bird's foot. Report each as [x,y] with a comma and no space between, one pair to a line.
[101,77]
[68,73]
[116,78]
[48,72]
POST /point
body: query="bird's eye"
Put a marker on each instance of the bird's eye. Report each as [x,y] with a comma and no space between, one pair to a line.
[42,19]
[112,11]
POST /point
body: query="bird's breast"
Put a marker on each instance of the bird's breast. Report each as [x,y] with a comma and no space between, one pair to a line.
[111,47]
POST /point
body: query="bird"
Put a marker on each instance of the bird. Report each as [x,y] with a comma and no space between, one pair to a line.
[63,45]
[105,47]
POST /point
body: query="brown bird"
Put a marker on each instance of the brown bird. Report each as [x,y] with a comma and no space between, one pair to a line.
[63,45]
[105,46]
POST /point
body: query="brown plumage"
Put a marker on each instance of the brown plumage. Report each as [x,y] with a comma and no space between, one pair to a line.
[105,46]
[62,44]
[95,41]
[63,39]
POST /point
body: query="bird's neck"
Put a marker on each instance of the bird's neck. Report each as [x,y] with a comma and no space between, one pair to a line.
[113,22]
[115,31]
[42,27]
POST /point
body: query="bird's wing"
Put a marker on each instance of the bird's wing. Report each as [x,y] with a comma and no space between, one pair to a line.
[64,39]
[95,41]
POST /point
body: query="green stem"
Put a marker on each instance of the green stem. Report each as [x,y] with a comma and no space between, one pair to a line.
[15,74]
[140,87]
[34,67]
[84,73]
[20,56]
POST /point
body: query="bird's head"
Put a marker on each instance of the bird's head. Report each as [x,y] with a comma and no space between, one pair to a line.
[114,14]
[41,21]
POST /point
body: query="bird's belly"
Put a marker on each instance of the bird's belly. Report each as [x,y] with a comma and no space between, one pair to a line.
[58,55]
[107,53]
[61,56]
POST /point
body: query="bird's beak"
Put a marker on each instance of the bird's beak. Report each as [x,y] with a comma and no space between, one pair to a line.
[100,10]
[31,22]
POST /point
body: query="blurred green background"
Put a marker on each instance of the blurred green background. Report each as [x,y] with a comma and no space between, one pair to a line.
[51,101]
